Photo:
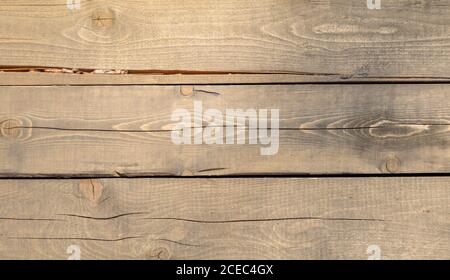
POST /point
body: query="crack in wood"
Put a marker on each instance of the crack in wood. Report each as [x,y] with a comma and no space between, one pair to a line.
[102,218]
[212,169]
[394,125]
[68,70]
[178,242]
[225,221]
[266,220]
[102,239]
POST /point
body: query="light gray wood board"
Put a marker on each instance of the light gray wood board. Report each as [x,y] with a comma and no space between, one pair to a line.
[340,38]
[246,218]
[126,130]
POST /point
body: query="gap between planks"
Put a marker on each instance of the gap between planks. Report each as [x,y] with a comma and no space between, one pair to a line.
[49,79]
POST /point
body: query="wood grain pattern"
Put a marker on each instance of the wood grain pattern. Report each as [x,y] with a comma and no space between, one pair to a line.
[88,93]
[339,39]
[126,131]
[247,218]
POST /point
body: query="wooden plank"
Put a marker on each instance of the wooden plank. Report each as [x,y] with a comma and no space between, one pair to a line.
[126,131]
[246,218]
[341,39]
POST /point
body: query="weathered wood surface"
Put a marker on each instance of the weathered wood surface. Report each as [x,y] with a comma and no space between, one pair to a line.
[339,39]
[247,218]
[196,51]
[126,130]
